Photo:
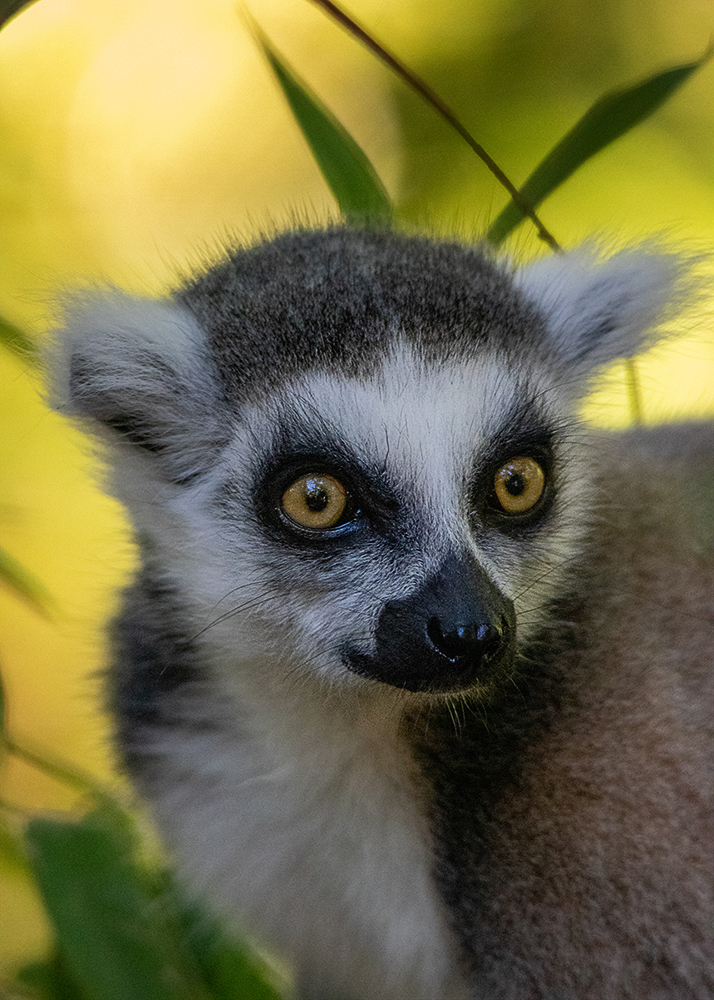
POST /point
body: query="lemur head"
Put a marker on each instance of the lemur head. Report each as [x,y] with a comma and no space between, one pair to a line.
[356,453]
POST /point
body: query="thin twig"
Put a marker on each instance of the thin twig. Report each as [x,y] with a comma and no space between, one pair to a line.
[61,771]
[633,391]
[432,98]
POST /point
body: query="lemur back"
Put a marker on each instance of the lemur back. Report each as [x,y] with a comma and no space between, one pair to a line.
[415,672]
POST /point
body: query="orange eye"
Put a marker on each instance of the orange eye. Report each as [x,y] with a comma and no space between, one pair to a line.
[315,501]
[519,485]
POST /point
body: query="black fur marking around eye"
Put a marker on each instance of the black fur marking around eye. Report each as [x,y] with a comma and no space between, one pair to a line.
[373,502]
[526,432]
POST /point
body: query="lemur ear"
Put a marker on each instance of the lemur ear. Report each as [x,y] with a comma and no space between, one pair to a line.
[601,310]
[140,371]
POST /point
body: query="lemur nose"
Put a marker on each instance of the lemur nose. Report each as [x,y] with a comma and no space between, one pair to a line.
[448,635]
[475,641]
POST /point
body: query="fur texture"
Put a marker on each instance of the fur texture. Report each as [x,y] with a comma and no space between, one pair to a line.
[445,747]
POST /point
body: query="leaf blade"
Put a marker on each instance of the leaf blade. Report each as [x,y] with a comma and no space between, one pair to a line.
[430,97]
[107,923]
[348,172]
[228,967]
[23,583]
[16,341]
[8,9]
[613,115]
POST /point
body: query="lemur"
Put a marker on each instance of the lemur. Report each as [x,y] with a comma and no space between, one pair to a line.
[415,672]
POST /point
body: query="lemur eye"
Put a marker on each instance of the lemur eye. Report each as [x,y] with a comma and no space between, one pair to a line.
[519,485]
[315,501]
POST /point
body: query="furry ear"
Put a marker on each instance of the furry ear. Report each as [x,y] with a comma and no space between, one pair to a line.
[598,311]
[141,371]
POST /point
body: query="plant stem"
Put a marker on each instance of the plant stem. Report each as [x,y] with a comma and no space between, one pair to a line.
[432,98]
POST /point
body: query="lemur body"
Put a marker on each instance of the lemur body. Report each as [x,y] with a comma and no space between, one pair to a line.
[414,672]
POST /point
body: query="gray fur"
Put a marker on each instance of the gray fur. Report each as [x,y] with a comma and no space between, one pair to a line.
[537,830]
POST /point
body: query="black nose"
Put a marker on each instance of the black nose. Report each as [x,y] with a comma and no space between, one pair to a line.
[478,640]
[455,631]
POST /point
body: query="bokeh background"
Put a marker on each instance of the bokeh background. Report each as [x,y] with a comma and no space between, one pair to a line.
[135,138]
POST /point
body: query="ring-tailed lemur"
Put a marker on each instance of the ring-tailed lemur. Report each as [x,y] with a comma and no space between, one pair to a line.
[414,671]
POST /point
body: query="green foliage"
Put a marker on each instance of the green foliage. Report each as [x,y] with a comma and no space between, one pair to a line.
[430,97]
[115,942]
[17,341]
[8,9]
[228,969]
[50,980]
[349,174]
[608,119]
[361,195]
[23,583]
[123,929]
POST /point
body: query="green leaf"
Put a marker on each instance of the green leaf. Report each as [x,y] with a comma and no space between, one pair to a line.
[349,174]
[609,118]
[16,341]
[3,705]
[50,980]
[109,925]
[23,583]
[430,96]
[8,8]
[12,850]
[228,968]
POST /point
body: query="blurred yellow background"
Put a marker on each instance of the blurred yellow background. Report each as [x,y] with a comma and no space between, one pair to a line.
[138,137]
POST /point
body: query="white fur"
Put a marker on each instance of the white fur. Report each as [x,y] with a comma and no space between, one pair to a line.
[304,817]
[147,360]
[124,337]
[578,292]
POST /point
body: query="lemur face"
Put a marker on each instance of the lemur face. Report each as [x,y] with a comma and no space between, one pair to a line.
[408,528]
[356,451]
